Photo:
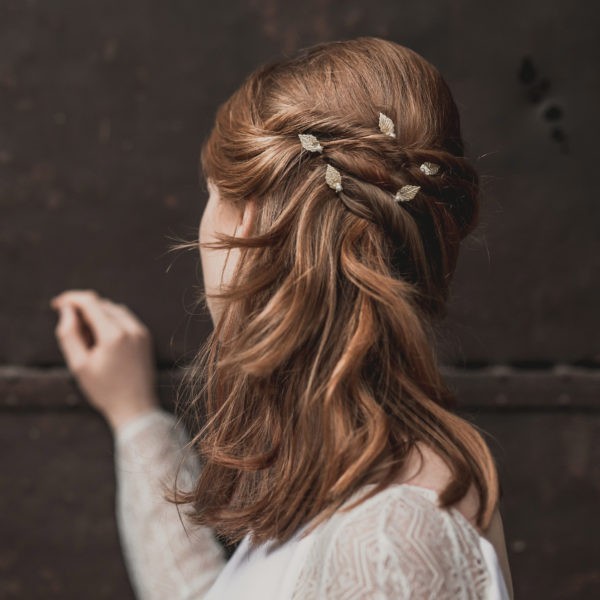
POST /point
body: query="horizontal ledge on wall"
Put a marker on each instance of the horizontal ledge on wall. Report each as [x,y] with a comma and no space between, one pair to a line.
[501,386]
[497,387]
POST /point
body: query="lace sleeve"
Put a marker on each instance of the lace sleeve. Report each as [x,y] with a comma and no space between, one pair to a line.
[163,559]
[397,544]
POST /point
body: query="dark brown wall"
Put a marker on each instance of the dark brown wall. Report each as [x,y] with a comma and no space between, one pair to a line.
[103,106]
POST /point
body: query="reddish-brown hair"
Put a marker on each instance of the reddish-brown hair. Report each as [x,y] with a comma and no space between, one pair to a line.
[321,374]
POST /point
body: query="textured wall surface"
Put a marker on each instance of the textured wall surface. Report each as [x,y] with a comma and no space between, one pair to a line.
[103,107]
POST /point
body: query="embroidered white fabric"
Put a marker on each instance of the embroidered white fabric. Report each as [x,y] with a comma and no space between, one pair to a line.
[397,544]
[164,560]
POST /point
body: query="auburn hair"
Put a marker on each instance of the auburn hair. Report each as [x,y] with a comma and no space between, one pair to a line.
[321,373]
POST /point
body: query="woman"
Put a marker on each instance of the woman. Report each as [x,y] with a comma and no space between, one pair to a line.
[325,440]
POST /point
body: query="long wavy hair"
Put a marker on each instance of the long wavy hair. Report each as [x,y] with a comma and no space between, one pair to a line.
[321,373]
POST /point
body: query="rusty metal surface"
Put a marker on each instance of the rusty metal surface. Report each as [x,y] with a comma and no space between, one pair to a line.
[490,388]
[57,524]
[104,107]
[550,472]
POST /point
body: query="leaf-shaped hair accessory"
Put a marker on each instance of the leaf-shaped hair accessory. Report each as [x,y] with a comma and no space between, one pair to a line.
[386,125]
[333,178]
[310,142]
[429,168]
[406,192]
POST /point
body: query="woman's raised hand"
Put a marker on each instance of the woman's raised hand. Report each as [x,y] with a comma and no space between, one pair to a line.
[110,353]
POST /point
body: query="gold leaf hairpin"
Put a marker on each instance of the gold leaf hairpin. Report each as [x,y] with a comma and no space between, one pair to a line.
[332,175]
[429,168]
[310,142]
[386,125]
[406,192]
[333,178]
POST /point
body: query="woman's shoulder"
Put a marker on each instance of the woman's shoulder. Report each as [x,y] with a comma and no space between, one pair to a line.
[397,542]
[392,512]
[425,468]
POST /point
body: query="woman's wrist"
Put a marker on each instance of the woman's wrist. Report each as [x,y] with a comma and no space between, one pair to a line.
[117,420]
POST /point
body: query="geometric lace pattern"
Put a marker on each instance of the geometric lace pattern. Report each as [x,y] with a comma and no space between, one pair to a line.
[397,544]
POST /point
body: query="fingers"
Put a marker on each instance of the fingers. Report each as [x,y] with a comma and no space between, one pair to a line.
[67,332]
[90,304]
[121,316]
[125,317]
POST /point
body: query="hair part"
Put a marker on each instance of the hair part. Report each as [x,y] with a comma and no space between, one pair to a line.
[321,373]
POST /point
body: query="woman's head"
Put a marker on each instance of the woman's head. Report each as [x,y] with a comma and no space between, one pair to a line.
[321,373]
[336,91]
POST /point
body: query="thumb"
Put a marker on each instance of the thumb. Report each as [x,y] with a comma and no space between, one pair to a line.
[69,337]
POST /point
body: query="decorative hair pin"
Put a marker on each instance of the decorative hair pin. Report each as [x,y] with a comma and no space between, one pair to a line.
[332,175]
[334,179]
[406,192]
[310,142]
[386,125]
[429,168]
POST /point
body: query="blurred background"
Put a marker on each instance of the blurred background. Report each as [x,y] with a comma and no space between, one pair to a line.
[103,108]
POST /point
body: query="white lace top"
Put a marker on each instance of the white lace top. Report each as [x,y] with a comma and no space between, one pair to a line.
[397,544]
